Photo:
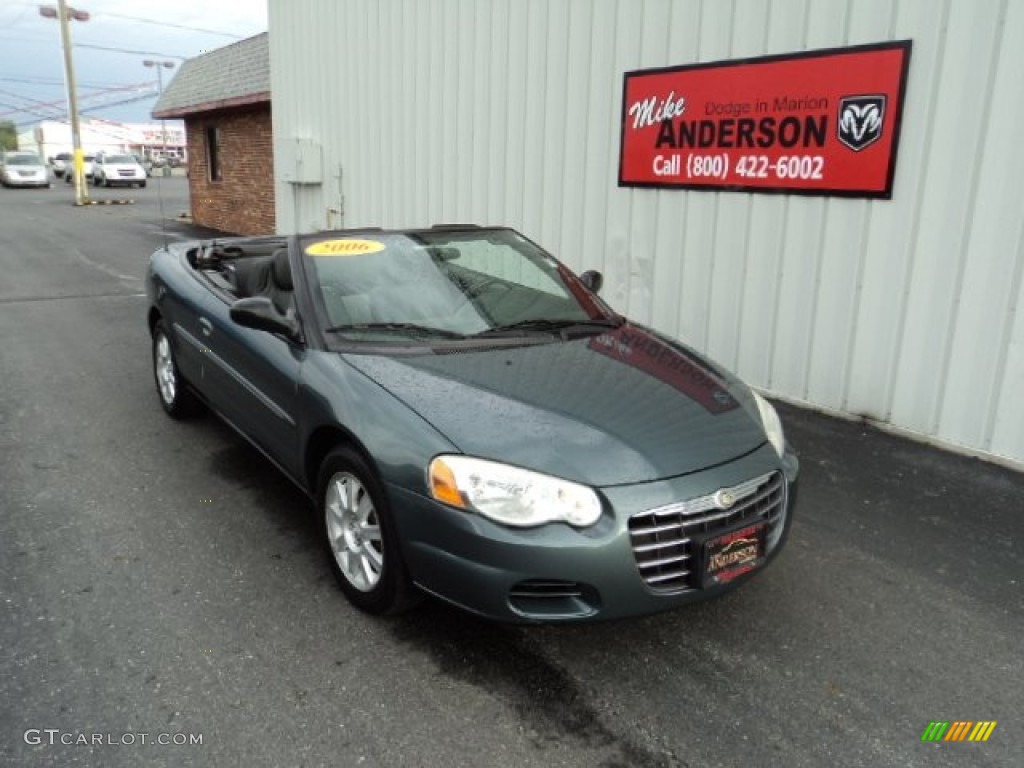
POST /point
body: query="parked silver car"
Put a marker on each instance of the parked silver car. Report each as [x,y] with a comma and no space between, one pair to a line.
[23,169]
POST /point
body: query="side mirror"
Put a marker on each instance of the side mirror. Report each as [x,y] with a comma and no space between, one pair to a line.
[260,313]
[592,279]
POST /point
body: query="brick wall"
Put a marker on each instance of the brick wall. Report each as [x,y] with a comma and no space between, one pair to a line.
[242,202]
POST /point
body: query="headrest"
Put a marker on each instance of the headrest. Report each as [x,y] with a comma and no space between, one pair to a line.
[251,275]
[282,270]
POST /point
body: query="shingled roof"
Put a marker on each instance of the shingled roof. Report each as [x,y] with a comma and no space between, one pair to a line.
[232,76]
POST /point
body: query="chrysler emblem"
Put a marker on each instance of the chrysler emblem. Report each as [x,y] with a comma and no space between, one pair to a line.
[724,499]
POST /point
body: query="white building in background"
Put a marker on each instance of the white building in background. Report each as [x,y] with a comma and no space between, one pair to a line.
[907,312]
[52,137]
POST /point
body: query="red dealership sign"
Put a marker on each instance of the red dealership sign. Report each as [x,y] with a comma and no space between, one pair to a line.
[818,123]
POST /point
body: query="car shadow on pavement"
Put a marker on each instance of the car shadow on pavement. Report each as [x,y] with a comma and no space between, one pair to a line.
[241,465]
[508,661]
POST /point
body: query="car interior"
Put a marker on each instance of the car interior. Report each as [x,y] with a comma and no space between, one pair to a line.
[259,269]
[269,276]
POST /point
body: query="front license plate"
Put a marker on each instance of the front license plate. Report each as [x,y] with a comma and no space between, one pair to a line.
[733,554]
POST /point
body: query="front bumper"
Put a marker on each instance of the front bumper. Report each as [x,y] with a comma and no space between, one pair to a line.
[122,181]
[27,181]
[556,573]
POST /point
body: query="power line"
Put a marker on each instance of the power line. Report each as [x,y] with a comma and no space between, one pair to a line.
[139,91]
[23,39]
[169,24]
[17,18]
[128,50]
[53,81]
[32,107]
[15,109]
[93,110]
[33,80]
[33,102]
[26,38]
[141,20]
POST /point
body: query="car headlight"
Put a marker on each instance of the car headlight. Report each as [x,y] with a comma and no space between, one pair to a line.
[511,495]
[771,423]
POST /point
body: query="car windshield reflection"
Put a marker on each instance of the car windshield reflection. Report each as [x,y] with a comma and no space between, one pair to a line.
[452,285]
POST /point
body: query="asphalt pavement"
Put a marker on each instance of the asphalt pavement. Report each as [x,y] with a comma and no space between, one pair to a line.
[160,578]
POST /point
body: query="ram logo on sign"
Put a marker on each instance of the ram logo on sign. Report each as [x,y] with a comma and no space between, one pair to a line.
[861,119]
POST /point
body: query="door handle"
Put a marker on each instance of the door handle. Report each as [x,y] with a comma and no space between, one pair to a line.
[206,325]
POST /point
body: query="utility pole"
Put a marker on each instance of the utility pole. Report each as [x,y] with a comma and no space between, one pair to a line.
[160,92]
[65,14]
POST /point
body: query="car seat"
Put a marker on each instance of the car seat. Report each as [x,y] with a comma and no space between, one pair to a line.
[269,276]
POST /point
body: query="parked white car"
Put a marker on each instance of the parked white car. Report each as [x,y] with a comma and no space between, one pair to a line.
[108,170]
[23,169]
[87,161]
[61,163]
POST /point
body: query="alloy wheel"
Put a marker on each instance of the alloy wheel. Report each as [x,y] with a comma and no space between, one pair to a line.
[353,531]
[165,375]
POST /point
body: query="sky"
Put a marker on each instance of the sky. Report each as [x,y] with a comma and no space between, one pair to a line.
[32,66]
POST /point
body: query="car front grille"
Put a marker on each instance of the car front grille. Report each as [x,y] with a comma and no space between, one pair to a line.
[663,538]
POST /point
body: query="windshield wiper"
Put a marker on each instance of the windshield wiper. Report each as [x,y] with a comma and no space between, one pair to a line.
[410,328]
[546,325]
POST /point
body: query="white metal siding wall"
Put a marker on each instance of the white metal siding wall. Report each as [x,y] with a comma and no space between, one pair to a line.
[506,111]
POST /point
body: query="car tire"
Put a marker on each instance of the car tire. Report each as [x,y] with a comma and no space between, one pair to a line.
[175,397]
[142,185]
[359,533]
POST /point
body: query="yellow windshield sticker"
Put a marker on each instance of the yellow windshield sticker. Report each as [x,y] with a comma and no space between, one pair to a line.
[344,247]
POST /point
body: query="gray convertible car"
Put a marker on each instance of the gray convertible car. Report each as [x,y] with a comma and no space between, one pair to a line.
[472,421]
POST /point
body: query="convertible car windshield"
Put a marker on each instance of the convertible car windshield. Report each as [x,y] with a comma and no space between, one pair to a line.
[441,284]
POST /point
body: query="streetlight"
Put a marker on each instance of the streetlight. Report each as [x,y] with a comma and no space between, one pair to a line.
[160,66]
[65,14]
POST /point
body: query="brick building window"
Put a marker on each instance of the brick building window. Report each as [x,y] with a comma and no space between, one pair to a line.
[213,152]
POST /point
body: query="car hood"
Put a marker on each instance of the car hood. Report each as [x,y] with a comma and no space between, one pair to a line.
[627,406]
